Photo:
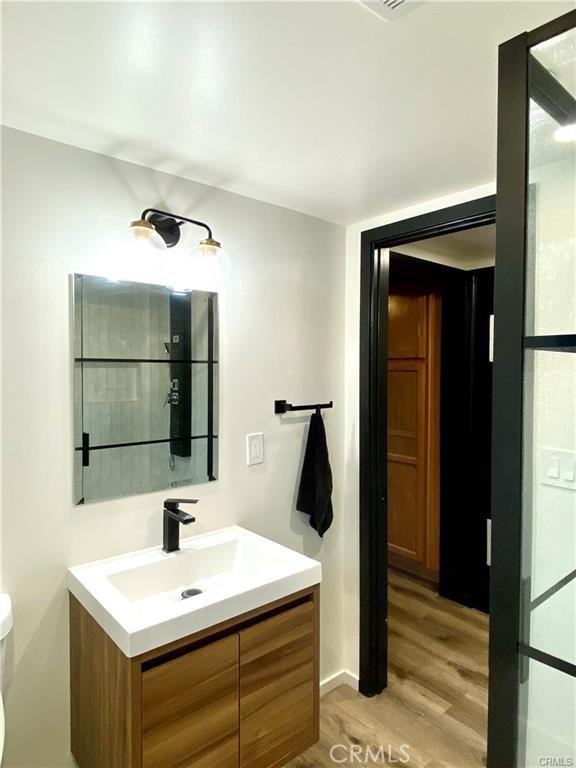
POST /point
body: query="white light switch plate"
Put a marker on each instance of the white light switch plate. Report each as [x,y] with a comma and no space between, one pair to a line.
[558,468]
[255,448]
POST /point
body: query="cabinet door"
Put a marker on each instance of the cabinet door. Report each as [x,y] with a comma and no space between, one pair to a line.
[278,688]
[407,458]
[413,430]
[190,709]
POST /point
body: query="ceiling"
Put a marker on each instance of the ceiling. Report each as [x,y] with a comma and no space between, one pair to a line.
[320,107]
[468,249]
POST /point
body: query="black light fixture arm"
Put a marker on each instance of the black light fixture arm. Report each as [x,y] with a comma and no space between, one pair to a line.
[168,224]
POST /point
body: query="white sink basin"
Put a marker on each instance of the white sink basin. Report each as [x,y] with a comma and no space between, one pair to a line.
[137,598]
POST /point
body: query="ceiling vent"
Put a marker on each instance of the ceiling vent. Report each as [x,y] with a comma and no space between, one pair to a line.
[391,9]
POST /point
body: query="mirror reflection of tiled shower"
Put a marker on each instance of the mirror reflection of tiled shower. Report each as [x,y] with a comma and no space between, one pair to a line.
[145,388]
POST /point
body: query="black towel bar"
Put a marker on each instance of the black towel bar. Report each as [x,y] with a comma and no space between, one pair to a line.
[281,406]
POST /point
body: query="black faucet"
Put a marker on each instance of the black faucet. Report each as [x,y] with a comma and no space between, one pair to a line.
[173,516]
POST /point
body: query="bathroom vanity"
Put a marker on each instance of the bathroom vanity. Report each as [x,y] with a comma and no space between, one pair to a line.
[241,688]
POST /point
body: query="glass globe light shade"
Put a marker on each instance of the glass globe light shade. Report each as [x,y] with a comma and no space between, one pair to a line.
[209,265]
[137,255]
[144,234]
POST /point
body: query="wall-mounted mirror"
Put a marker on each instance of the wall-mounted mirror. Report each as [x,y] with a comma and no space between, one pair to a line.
[145,388]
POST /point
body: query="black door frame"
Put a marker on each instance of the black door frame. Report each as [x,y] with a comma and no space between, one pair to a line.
[374,279]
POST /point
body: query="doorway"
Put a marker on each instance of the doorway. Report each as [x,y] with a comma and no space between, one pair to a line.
[440,311]
[377,245]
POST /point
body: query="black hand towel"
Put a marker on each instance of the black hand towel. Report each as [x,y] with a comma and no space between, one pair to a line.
[315,493]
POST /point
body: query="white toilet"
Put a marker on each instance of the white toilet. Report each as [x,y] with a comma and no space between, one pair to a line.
[5,627]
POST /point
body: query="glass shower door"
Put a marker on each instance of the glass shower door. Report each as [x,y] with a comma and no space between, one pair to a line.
[547,691]
[532,697]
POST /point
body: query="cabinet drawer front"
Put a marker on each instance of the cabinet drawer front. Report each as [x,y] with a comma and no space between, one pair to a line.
[190,709]
[277,688]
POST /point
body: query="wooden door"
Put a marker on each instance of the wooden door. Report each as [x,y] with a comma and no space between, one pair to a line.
[413,430]
[278,688]
[190,709]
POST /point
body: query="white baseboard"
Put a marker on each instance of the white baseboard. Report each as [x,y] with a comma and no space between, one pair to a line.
[338,678]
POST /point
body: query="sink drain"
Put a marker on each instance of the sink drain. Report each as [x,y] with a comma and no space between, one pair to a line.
[190,593]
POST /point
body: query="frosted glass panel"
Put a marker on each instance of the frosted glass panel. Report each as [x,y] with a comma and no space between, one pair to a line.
[551,263]
[547,717]
[549,528]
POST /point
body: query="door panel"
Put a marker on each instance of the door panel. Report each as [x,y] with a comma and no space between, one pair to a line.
[190,709]
[403,395]
[405,533]
[406,466]
[407,326]
[277,688]
[413,430]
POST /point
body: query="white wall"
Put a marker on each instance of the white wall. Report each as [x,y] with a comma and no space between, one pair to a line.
[282,324]
[352,357]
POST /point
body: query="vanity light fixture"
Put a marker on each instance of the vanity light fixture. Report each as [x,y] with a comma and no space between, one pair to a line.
[208,263]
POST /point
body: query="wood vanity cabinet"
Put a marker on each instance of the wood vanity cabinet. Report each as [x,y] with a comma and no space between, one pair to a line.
[242,694]
[278,687]
[190,708]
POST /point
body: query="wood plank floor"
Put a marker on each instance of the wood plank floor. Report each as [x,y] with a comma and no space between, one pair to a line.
[436,701]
